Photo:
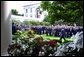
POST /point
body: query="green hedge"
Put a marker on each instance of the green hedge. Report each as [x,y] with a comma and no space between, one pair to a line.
[26,22]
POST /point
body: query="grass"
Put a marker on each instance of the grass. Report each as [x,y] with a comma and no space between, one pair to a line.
[45,37]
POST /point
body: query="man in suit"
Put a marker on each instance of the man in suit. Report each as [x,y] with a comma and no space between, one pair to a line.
[62,35]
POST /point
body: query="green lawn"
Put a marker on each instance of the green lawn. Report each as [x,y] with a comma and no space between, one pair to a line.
[45,37]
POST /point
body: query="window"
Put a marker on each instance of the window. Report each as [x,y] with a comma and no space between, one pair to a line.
[26,15]
[30,15]
[38,12]
[26,10]
[31,10]
[38,16]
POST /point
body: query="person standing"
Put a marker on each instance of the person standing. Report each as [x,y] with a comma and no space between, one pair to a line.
[43,29]
[62,35]
[13,28]
[47,30]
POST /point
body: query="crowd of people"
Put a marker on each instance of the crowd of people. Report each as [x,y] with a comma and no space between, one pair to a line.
[57,31]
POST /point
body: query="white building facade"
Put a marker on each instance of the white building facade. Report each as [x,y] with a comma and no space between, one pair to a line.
[33,12]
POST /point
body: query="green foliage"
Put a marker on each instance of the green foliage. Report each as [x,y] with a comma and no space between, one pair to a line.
[59,22]
[30,34]
[16,22]
[14,12]
[19,35]
[26,22]
[45,5]
[47,19]
[69,11]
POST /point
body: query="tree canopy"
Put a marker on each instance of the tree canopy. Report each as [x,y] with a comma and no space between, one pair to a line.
[14,12]
[69,11]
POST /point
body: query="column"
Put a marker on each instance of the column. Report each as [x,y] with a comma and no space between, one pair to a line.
[6,28]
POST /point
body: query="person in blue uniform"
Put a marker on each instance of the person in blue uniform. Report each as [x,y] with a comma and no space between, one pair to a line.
[66,31]
[71,32]
[47,31]
[74,31]
[50,31]
[81,29]
[17,27]
[59,32]
[56,32]
[43,29]
[68,34]
[13,28]
[40,30]
[53,31]
[37,28]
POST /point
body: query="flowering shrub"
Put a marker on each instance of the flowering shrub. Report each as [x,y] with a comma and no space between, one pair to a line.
[52,42]
[30,33]
[27,44]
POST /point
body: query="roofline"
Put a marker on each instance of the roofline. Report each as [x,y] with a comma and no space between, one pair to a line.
[31,4]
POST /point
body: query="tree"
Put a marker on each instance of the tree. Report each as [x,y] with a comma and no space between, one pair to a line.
[14,12]
[69,11]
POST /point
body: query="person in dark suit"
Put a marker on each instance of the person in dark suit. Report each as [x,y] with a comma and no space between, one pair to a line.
[62,35]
